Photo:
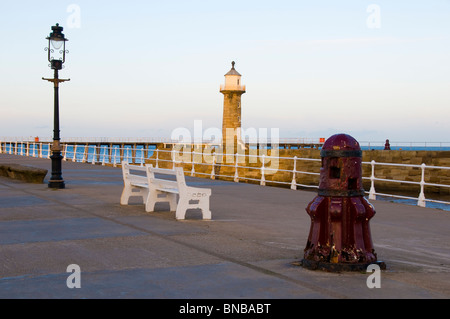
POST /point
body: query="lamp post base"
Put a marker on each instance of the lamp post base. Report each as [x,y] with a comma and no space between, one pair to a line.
[56,184]
[56,180]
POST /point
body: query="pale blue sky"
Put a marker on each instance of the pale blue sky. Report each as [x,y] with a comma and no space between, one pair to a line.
[312,68]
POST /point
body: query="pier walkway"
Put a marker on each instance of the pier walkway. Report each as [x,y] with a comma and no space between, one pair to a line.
[248,250]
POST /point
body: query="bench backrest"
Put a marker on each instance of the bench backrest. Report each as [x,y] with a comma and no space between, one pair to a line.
[160,182]
[129,177]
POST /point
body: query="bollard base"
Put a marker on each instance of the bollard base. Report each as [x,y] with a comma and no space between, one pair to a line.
[339,267]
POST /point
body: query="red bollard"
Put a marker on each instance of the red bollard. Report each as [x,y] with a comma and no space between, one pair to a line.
[340,238]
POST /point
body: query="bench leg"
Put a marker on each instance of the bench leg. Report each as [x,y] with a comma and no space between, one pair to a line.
[182,207]
[150,203]
[204,206]
[172,202]
[126,193]
[153,198]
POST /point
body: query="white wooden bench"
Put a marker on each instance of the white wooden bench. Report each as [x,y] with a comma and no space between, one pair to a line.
[158,189]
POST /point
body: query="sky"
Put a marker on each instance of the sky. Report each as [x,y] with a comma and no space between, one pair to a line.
[376,70]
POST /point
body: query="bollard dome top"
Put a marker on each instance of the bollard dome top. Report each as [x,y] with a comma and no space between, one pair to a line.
[341,142]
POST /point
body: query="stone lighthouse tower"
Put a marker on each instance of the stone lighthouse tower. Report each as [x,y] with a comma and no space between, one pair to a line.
[231,126]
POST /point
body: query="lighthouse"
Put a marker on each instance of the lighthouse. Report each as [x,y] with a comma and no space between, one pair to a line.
[231,125]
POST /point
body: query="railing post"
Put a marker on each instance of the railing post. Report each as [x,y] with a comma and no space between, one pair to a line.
[108,154]
[157,158]
[28,149]
[193,162]
[213,174]
[105,149]
[40,150]
[114,164]
[74,159]
[294,182]
[83,160]
[372,195]
[236,174]
[173,158]
[263,178]
[94,155]
[128,158]
[15,149]
[142,156]
[121,153]
[10,148]
[65,153]
[48,150]
[421,201]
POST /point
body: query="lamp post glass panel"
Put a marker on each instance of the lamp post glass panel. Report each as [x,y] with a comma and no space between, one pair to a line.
[56,56]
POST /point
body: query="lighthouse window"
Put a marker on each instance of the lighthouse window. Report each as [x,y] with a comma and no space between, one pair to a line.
[238,81]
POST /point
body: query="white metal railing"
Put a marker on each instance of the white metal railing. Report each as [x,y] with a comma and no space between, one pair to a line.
[405,145]
[421,199]
[115,155]
[149,140]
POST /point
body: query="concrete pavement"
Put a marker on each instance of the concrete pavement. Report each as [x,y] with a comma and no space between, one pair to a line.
[248,250]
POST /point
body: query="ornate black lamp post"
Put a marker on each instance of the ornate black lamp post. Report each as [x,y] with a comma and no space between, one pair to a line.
[56,56]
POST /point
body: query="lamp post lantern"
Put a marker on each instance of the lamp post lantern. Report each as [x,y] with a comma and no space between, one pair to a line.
[56,56]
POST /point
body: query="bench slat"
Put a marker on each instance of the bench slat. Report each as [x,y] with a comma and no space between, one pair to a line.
[142,185]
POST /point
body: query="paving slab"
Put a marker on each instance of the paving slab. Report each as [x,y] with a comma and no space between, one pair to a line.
[249,250]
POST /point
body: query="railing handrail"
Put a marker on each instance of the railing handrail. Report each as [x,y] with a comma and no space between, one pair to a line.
[157,139]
